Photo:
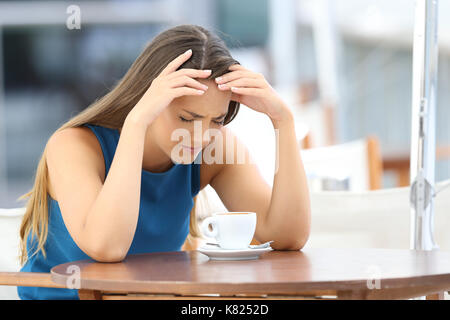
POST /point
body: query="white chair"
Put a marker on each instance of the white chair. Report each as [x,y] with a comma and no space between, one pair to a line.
[10,220]
[364,219]
[359,161]
[372,219]
[10,275]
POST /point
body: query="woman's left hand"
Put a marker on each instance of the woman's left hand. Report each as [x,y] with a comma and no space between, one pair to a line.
[252,89]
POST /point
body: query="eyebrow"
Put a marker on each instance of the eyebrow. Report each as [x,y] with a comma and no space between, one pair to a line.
[195,115]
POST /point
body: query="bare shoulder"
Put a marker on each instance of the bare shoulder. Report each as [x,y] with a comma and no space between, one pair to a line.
[74,144]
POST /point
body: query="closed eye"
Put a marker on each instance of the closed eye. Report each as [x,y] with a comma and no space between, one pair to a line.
[190,120]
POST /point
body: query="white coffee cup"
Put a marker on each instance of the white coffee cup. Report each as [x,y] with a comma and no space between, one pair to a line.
[232,230]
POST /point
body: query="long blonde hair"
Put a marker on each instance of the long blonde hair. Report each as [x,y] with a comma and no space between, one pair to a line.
[209,52]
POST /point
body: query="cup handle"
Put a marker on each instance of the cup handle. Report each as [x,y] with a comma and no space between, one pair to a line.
[205,227]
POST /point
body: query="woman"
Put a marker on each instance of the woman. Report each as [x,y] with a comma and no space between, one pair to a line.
[107,184]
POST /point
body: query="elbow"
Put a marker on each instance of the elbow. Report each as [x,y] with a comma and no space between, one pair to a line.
[297,245]
[103,245]
[304,230]
[301,241]
[111,255]
[289,245]
[297,239]
[110,258]
[102,248]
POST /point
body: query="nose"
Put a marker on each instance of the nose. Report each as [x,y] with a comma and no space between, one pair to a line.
[206,138]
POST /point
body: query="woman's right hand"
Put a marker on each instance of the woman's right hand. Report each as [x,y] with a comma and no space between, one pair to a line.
[168,85]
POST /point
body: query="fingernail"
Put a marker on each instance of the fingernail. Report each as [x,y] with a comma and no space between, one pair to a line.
[207,71]
[218,79]
[205,87]
[188,52]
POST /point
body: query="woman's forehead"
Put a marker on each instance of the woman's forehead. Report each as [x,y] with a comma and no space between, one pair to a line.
[212,103]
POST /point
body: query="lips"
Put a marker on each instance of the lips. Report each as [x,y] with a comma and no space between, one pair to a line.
[194,150]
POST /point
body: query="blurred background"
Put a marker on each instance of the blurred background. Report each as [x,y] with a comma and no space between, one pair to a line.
[343,66]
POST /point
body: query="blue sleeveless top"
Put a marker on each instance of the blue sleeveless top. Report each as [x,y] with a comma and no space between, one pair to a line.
[163,223]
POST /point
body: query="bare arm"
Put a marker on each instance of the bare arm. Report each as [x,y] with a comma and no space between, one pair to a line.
[289,210]
[112,219]
[283,212]
[101,217]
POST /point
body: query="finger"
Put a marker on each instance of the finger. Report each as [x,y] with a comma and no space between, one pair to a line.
[242,82]
[236,67]
[177,62]
[193,73]
[186,91]
[235,75]
[247,91]
[187,81]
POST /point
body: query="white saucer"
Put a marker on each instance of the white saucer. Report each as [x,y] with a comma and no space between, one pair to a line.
[217,253]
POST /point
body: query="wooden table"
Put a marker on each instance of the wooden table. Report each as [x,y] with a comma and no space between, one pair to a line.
[310,273]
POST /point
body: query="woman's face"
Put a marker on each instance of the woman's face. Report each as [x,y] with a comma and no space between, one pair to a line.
[187,121]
